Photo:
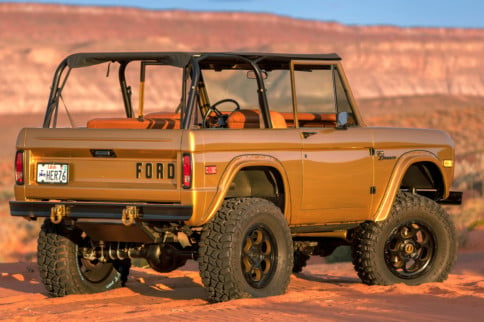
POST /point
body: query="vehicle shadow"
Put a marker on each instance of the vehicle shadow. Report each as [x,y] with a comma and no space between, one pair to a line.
[21,277]
[167,286]
[180,285]
[322,271]
[329,279]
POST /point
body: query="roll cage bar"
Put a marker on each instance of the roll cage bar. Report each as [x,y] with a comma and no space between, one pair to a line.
[191,62]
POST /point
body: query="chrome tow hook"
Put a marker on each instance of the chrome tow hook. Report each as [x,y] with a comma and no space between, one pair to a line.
[130,213]
[58,212]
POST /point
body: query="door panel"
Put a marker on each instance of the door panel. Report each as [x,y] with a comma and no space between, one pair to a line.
[337,165]
[337,171]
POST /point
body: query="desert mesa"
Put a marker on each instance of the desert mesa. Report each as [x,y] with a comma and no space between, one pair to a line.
[381,61]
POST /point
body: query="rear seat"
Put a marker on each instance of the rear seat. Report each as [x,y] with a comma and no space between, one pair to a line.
[133,123]
[158,120]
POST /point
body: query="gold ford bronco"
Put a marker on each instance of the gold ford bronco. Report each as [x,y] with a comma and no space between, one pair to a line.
[248,163]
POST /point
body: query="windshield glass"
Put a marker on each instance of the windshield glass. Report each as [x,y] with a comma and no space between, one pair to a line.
[232,84]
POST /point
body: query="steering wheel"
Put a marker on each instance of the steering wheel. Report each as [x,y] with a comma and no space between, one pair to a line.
[219,120]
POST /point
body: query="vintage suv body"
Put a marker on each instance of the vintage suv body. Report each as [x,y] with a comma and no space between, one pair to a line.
[246,162]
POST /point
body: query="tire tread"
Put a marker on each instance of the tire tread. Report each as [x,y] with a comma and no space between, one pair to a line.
[368,234]
[217,242]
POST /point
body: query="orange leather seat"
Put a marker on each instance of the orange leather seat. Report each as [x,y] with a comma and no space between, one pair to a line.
[250,119]
[243,119]
[133,123]
[278,121]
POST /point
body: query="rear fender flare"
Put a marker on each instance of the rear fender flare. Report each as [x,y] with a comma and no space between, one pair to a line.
[233,167]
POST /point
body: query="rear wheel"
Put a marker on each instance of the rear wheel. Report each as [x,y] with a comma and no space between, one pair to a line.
[246,251]
[415,244]
[63,271]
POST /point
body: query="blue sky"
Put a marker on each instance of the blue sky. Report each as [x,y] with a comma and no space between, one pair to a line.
[404,13]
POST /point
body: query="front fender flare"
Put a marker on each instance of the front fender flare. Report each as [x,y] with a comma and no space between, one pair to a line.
[399,171]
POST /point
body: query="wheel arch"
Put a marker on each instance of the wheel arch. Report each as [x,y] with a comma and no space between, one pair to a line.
[418,172]
[424,176]
[259,176]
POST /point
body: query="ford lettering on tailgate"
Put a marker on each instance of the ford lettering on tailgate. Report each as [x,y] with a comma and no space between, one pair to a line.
[52,173]
[155,170]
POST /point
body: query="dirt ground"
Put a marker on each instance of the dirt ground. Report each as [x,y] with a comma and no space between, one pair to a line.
[328,292]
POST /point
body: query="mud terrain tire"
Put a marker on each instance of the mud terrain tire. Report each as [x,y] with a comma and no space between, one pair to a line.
[246,251]
[63,272]
[416,244]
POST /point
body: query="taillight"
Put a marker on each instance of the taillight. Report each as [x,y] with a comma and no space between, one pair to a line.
[19,168]
[187,171]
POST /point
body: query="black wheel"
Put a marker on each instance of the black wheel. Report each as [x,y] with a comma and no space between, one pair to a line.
[63,271]
[415,244]
[246,251]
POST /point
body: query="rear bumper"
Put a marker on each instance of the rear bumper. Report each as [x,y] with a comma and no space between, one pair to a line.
[102,210]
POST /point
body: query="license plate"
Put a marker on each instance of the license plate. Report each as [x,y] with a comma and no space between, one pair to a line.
[52,173]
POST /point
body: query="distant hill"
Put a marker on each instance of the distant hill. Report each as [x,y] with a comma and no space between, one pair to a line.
[381,61]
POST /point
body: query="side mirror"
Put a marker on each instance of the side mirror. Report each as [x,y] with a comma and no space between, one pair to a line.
[342,121]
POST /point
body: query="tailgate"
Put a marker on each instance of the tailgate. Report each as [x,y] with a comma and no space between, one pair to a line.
[101,165]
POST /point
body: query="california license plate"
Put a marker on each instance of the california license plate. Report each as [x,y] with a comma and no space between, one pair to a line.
[52,173]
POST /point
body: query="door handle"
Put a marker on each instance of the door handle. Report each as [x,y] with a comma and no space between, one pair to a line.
[308,134]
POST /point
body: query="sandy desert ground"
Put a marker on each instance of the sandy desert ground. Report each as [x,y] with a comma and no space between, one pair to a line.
[329,292]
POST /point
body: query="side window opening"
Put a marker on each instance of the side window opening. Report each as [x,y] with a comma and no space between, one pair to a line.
[342,102]
[319,95]
[278,91]
[155,98]
[228,99]
[314,90]
[161,89]
[76,106]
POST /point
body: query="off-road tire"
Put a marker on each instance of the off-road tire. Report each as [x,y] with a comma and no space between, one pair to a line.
[416,244]
[63,272]
[246,250]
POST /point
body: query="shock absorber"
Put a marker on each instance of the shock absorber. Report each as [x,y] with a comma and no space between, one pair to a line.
[162,257]
[118,251]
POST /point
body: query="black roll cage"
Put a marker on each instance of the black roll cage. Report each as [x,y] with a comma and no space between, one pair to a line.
[190,62]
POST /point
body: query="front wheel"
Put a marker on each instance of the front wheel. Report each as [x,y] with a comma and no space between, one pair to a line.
[416,244]
[246,251]
[64,271]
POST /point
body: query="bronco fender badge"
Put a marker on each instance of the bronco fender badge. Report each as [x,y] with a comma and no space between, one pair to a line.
[381,156]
